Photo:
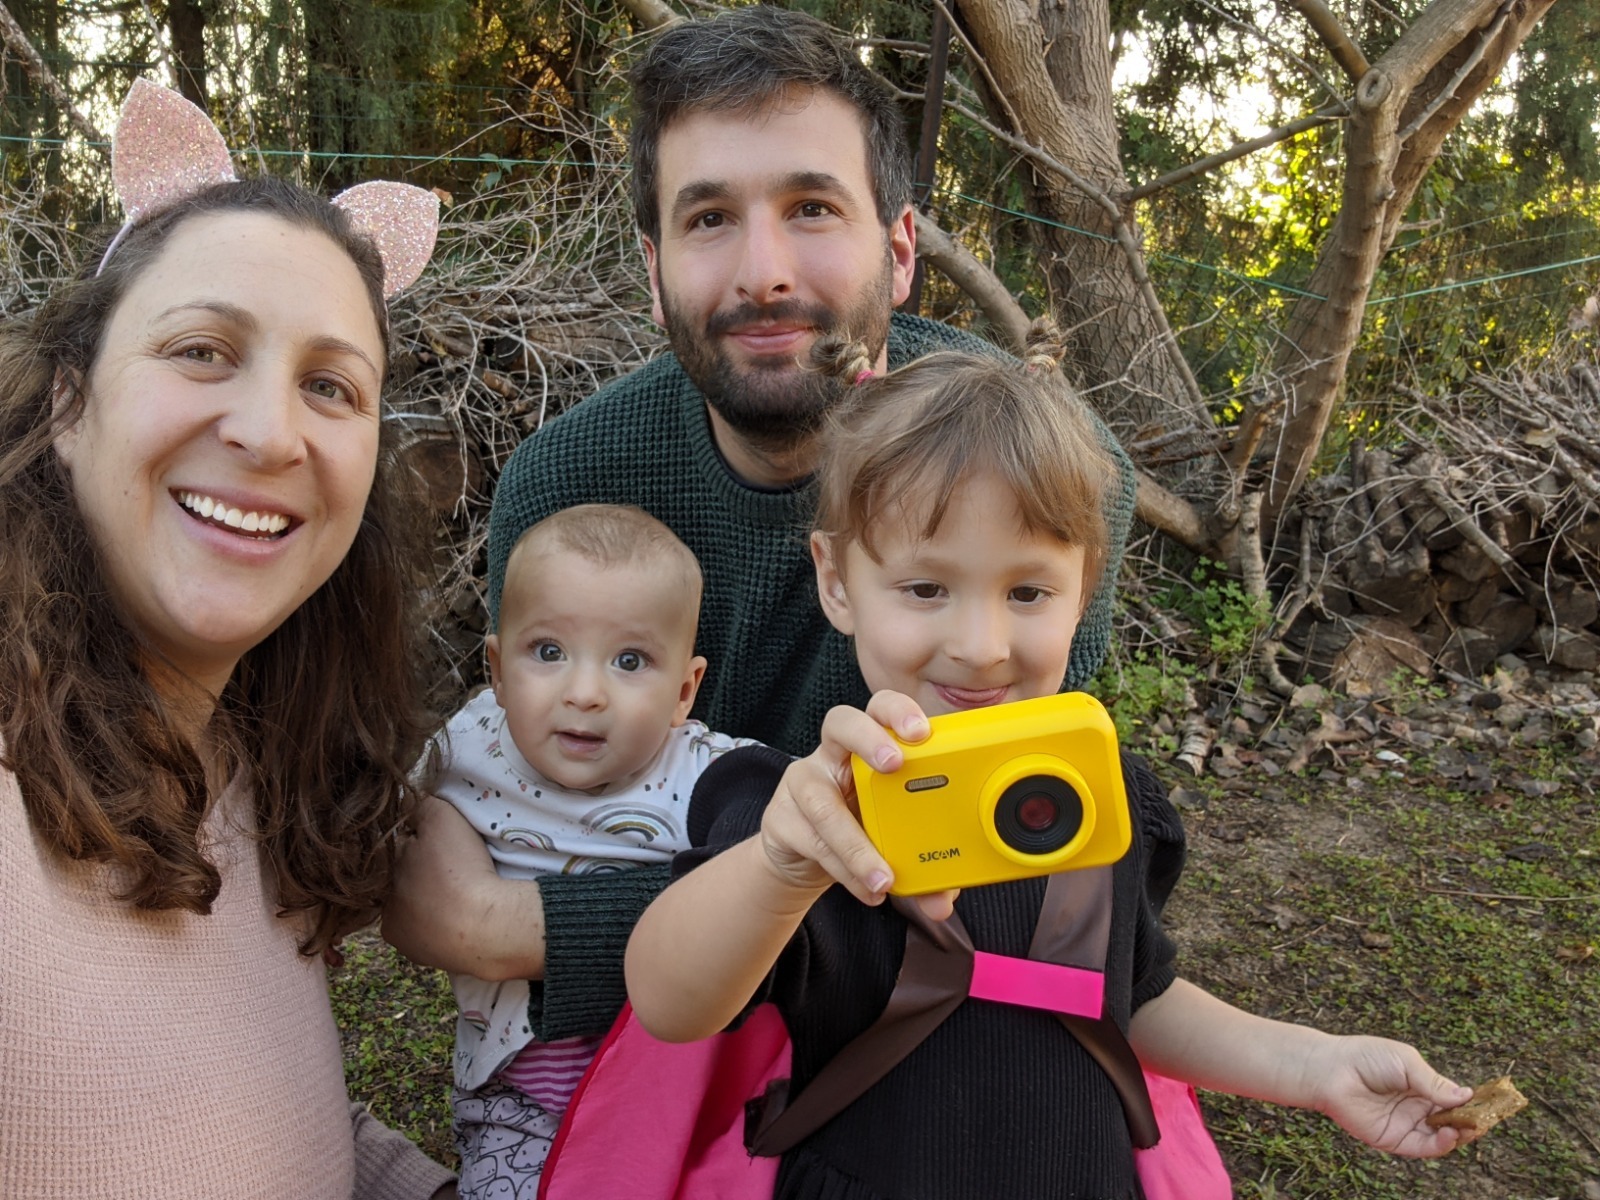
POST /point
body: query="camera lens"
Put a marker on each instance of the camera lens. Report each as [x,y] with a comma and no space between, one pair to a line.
[1038,814]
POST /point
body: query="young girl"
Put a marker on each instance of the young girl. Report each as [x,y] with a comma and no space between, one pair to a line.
[959,533]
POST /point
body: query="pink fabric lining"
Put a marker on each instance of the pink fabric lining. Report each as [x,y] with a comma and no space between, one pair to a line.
[1071,990]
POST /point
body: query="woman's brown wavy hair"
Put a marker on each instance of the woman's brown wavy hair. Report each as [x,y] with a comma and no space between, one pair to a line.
[323,719]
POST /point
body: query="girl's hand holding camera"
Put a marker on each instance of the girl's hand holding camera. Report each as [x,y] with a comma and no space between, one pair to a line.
[811,832]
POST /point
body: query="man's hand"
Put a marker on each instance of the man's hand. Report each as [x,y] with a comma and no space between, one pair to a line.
[449,908]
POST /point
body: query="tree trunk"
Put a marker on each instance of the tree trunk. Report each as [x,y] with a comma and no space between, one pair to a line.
[1052,65]
[1428,79]
[186,22]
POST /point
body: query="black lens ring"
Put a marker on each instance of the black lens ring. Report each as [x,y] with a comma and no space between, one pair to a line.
[1024,840]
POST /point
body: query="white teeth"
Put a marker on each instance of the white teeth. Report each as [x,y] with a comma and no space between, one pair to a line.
[214,510]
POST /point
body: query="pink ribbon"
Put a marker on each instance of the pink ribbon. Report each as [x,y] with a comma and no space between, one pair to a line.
[1006,980]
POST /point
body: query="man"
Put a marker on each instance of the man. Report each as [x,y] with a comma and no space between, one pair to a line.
[772,184]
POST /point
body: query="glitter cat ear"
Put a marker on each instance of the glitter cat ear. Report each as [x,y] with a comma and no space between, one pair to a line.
[164,149]
[402,220]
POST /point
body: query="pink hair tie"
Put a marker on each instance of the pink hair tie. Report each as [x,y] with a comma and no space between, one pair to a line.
[863,376]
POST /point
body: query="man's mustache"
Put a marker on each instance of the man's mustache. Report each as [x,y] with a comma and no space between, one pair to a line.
[795,312]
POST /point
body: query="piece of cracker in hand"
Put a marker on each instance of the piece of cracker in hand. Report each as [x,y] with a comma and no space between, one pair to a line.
[1491,1103]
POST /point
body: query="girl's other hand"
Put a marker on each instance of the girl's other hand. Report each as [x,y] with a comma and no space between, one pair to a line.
[811,832]
[1382,1092]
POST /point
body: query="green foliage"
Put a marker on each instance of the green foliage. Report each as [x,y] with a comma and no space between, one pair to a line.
[1405,691]
[1557,93]
[1137,689]
[1227,619]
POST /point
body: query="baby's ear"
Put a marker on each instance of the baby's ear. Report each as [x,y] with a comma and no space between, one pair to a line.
[689,689]
[491,647]
[830,585]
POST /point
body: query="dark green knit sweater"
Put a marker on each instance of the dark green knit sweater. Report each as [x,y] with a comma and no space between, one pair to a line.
[775,664]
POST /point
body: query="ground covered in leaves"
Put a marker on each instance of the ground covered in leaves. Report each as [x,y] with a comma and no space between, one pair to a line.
[1425,866]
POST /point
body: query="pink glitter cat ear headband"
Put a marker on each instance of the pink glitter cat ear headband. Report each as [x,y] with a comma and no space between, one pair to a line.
[165,149]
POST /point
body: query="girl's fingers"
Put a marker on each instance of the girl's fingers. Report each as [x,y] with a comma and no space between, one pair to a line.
[829,812]
[849,731]
[938,906]
[901,714]
[820,837]
[814,815]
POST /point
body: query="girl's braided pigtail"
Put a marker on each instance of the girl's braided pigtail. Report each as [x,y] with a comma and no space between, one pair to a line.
[1045,348]
[838,355]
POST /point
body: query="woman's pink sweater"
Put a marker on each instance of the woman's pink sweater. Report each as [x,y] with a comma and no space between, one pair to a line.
[152,1055]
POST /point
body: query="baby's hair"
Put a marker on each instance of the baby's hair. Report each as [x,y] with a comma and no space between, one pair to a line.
[607,535]
[925,428]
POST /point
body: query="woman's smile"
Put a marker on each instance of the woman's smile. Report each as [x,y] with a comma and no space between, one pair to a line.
[229,435]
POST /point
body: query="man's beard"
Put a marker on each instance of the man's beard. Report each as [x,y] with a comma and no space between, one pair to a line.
[776,405]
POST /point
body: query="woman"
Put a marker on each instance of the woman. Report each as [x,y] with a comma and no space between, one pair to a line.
[207,707]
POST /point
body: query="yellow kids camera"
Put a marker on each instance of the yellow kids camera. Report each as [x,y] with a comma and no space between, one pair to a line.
[1027,788]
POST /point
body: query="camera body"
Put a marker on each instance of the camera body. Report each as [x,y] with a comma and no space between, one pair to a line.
[1006,792]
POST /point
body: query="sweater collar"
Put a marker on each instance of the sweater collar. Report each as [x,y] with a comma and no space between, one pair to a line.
[766,507]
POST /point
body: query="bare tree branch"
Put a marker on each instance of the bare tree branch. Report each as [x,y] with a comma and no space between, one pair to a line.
[1438,30]
[976,55]
[1448,92]
[1345,52]
[1171,514]
[652,14]
[1382,173]
[44,78]
[1277,44]
[963,269]
[1211,162]
[1126,238]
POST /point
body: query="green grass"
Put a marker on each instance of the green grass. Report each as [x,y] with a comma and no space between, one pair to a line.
[1483,961]
[397,1024]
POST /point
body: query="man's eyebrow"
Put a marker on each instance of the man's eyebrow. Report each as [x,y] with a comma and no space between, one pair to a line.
[814,181]
[692,195]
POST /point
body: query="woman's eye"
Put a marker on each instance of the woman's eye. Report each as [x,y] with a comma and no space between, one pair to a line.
[201,354]
[547,652]
[630,660]
[329,389]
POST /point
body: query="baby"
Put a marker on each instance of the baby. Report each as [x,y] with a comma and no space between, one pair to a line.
[579,758]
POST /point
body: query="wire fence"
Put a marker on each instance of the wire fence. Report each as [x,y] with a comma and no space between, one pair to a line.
[1450,299]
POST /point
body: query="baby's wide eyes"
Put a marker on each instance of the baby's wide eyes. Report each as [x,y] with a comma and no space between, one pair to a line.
[630,660]
[547,652]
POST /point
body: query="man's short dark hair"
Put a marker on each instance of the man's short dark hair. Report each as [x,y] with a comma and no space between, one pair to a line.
[747,60]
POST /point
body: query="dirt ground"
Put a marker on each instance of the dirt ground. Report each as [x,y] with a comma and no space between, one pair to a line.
[1447,897]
